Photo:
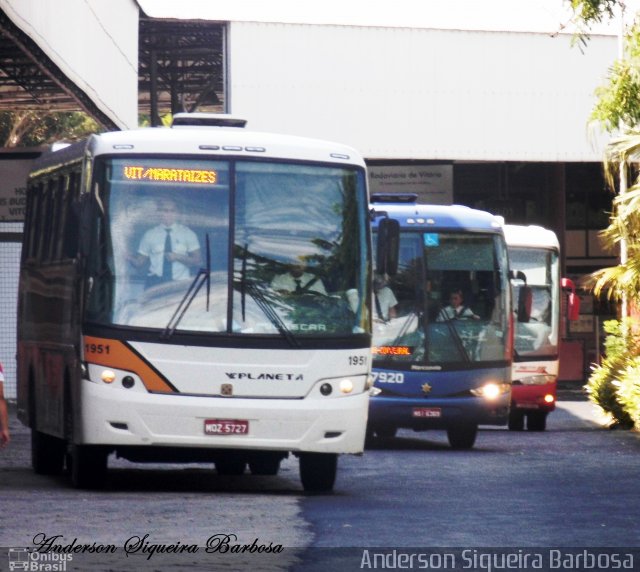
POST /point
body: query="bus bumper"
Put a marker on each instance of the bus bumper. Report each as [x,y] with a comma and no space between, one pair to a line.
[534,397]
[128,418]
[423,414]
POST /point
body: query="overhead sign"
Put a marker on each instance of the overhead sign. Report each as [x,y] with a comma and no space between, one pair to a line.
[169,174]
[432,183]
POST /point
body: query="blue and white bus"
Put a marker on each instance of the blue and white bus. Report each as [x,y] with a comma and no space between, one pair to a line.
[443,323]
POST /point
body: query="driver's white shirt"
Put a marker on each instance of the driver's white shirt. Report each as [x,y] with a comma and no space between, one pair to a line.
[183,241]
[451,313]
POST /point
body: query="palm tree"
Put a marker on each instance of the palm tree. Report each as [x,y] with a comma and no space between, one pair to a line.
[622,281]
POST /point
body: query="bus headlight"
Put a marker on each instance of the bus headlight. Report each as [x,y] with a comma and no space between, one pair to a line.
[346,386]
[108,376]
[491,390]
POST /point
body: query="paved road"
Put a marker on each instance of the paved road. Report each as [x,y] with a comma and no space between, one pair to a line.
[575,485]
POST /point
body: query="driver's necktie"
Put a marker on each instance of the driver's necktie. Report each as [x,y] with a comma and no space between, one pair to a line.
[166,264]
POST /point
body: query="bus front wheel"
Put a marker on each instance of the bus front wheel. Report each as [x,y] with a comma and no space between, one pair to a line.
[88,466]
[516,420]
[537,421]
[47,453]
[462,436]
[318,471]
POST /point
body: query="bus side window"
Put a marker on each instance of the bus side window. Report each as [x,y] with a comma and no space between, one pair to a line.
[70,237]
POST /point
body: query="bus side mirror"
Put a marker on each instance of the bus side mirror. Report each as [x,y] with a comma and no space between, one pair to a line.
[573,300]
[388,248]
[525,301]
[525,296]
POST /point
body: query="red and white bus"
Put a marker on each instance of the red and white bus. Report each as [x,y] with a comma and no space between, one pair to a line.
[534,258]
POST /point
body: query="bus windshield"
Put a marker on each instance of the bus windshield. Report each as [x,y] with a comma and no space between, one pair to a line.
[244,247]
[448,305]
[539,336]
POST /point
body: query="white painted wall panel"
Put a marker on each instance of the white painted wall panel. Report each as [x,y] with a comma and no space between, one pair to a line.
[420,93]
[95,43]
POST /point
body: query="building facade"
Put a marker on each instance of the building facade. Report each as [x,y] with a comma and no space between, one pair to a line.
[486,105]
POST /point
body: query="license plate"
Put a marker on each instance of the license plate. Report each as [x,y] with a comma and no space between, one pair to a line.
[427,412]
[226,427]
[527,406]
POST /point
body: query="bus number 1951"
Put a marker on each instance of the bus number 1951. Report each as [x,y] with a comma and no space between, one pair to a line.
[357,360]
[97,348]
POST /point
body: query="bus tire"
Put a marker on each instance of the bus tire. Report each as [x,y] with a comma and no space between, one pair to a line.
[318,471]
[537,421]
[47,453]
[88,466]
[516,420]
[462,436]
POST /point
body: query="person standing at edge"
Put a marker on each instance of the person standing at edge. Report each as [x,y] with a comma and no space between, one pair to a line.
[4,413]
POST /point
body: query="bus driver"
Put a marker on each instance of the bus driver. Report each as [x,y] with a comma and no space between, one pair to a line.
[170,248]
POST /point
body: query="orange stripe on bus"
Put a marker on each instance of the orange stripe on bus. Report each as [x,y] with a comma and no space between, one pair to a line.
[115,354]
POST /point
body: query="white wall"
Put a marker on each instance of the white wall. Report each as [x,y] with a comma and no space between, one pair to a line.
[95,44]
[421,93]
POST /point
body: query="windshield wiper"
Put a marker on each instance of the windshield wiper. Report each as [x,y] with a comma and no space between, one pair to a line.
[262,303]
[457,340]
[203,275]
[405,326]
[259,298]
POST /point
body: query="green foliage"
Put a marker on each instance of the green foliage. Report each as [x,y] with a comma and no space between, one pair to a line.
[628,394]
[622,347]
[622,281]
[32,128]
[589,12]
[145,120]
[593,11]
[618,100]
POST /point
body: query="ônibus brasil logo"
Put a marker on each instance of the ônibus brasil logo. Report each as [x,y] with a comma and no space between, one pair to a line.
[25,559]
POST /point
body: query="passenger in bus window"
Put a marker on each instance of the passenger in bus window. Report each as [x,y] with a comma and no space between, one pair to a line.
[4,414]
[384,299]
[298,281]
[456,310]
[170,249]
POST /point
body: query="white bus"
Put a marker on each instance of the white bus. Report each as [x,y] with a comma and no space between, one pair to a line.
[534,258]
[237,337]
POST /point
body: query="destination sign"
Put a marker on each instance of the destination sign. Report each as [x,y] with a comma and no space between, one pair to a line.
[392,350]
[169,175]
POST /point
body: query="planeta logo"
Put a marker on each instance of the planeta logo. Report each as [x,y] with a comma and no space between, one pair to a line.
[265,376]
[24,559]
